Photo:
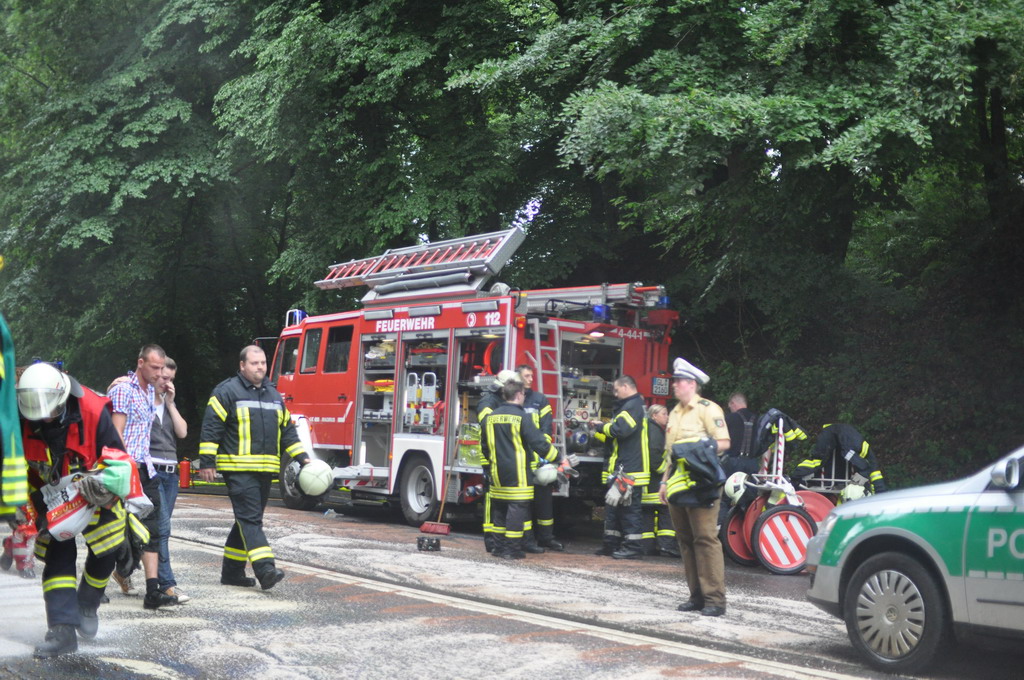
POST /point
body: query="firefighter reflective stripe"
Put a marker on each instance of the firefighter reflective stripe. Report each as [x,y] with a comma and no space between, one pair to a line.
[810,463]
[294,450]
[235,554]
[137,527]
[626,418]
[875,476]
[261,553]
[251,463]
[95,582]
[208,448]
[244,429]
[108,536]
[215,404]
[58,582]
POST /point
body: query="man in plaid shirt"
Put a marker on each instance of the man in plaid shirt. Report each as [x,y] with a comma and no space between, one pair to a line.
[133,418]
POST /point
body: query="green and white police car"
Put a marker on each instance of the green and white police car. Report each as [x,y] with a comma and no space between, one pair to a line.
[910,570]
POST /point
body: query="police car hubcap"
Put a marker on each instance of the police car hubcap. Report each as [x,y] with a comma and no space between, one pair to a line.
[890,614]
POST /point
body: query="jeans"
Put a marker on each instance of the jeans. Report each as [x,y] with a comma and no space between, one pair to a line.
[168,495]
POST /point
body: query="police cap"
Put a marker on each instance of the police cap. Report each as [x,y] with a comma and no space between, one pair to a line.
[681,368]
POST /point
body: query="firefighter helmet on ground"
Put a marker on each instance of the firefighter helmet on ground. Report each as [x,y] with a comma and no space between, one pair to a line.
[42,392]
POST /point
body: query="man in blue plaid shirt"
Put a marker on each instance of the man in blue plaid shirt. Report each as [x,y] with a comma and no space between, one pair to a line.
[133,418]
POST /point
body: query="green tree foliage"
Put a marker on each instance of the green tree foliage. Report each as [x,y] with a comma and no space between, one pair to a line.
[831,189]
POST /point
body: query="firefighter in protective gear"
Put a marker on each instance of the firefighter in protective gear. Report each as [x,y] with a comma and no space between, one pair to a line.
[490,400]
[837,445]
[628,431]
[509,439]
[64,429]
[540,532]
[659,538]
[246,432]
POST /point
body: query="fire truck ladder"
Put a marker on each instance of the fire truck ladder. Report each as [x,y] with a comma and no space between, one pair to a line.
[551,301]
[545,355]
[457,265]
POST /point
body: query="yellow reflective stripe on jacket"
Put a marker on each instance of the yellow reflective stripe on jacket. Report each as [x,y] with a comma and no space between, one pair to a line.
[215,404]
[227,462]
[244,431]
[208,448]
[294,450]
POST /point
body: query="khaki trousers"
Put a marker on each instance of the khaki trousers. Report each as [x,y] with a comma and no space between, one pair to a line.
[701,552]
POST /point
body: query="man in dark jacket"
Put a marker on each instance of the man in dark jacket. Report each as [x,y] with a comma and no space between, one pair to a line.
[507,434]
[623,523]
[490,399]
[244,429]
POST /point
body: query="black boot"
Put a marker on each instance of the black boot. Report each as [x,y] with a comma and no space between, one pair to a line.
[60,639]
[529,544]
[546,539]
[489,541]
[89,622]
[270,578]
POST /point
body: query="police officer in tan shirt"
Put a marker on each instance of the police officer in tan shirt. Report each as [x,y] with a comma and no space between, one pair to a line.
[697,527]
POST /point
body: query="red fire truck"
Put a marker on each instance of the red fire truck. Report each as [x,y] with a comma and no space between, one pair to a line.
[386,394]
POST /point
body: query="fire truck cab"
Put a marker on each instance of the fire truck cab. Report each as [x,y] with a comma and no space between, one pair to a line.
[386,394]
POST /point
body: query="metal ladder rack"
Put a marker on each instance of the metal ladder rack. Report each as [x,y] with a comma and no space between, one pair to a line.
[476,257]
[553,355]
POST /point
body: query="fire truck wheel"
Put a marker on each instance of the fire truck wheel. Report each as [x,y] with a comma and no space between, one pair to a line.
[288,481]
[416,492]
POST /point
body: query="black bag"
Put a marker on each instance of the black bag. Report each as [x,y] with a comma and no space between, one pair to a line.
[701,462]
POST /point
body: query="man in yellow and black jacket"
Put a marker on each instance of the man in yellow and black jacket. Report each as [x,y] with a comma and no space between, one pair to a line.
[510,439]
[628,431]
[245,428]
[842,442]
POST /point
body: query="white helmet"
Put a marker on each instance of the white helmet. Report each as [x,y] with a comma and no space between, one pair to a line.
[735,486]
[545,474]
[42,392]
[504,376]
[852,492]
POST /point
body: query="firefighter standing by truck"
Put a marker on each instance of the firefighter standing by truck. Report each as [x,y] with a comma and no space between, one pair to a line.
[509,437]
[623,523]
[842,442]
[64,429]
[542,535]
[245,427]
[490,400]
[659,536]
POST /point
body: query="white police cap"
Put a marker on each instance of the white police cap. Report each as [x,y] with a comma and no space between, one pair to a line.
[681,368]
[504,376]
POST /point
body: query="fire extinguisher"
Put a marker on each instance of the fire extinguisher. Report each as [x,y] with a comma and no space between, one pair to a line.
[184,474]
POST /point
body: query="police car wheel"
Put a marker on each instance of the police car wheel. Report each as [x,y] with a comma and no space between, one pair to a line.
[895,613]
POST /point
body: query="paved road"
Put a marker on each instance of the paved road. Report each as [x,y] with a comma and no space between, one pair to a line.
[360,600]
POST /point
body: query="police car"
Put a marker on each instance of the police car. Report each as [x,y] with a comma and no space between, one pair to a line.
[909,570]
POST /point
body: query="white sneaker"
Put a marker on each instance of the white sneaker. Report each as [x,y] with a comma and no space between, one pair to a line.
[173,591]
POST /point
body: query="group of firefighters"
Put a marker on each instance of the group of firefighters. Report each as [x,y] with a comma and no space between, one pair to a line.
[657,500]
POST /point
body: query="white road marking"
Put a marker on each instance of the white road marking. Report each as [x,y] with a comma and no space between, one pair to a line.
[743,661]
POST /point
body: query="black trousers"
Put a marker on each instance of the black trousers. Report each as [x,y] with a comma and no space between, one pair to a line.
[61,593]
[544,512]
[624,524]
[246,541]
[513,516]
